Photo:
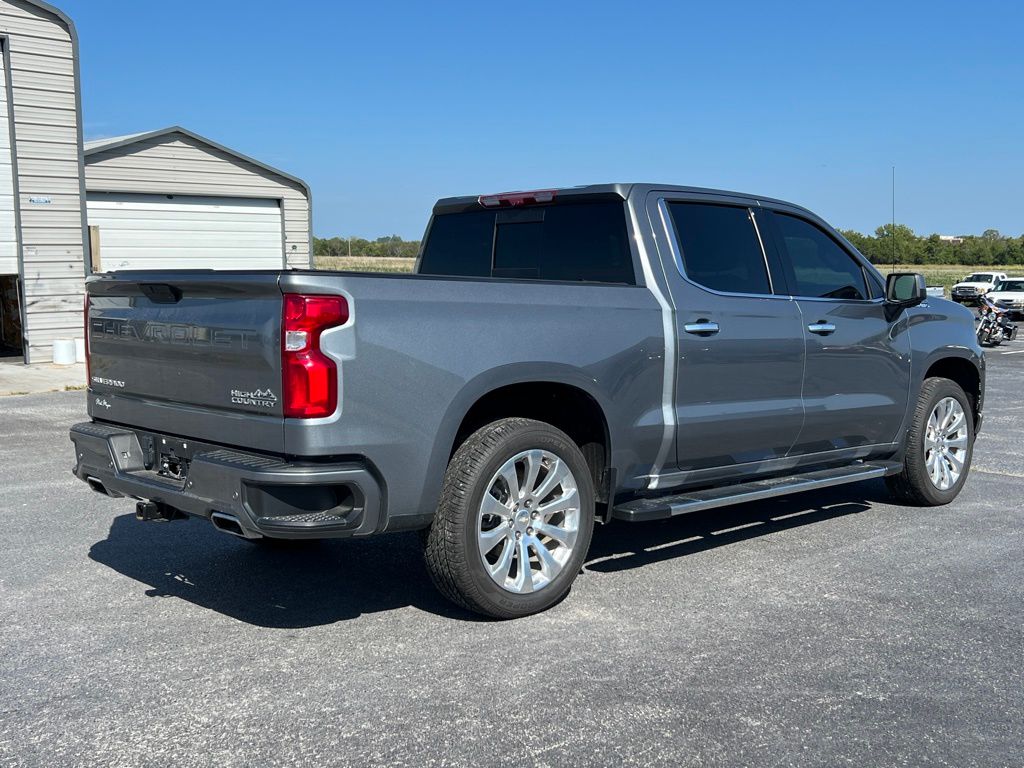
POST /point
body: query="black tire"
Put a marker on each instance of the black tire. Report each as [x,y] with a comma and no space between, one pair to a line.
[913,485]
[451,552]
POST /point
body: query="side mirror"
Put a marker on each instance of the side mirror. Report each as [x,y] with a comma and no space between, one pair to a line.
[905,289]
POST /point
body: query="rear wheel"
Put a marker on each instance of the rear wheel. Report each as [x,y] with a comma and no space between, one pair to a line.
[940,444]
[514,521]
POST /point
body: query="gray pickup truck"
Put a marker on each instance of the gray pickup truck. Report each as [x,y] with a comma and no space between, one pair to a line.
[560,357]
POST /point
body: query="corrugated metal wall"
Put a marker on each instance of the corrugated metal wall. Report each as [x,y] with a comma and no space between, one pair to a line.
[47,151]
[176,164]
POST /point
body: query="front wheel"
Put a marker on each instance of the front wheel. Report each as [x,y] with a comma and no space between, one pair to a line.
[514,521]
[987,333]
[940,444]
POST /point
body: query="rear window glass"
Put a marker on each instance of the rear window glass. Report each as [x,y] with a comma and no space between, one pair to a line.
[720,248]
[572,242]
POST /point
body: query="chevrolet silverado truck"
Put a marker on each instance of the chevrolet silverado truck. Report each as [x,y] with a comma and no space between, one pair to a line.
[624,352]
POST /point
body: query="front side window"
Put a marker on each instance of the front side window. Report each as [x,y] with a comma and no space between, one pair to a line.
[720,248]
[821,268]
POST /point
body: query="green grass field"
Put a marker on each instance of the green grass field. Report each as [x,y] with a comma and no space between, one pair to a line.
[936,274]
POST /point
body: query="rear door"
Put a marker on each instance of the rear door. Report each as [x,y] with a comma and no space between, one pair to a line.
[857,376]
[188,353]
[740,345]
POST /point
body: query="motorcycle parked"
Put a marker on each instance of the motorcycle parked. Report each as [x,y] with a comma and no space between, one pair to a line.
[994,324]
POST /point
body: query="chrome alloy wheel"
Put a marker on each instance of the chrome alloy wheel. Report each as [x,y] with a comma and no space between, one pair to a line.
[945,443]
[528,521]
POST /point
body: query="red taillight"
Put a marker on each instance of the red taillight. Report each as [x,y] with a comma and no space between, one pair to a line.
[517,198]
[88,354]
[309,378]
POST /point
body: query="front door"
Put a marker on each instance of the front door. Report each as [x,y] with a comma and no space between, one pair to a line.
[741,347]
[857,379]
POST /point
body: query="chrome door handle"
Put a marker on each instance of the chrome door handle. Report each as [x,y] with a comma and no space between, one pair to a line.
[821,328]
[702,328]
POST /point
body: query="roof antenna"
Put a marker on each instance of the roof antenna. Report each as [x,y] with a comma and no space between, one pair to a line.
[893,231]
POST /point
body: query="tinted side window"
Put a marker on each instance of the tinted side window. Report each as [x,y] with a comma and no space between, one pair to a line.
[587,242]
[720,248]
[574,242]
[820,267]
[459,244]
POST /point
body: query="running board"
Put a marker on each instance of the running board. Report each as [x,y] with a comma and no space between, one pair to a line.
[661,507]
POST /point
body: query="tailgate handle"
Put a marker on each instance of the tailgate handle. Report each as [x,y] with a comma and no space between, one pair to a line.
[161,293]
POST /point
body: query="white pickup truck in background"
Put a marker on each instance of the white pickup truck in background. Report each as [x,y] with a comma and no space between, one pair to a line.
[975,285]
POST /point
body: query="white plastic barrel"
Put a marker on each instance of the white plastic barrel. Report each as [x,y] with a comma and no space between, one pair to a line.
[79,350]
[63,351]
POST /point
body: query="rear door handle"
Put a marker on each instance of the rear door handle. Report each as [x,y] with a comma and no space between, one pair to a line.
[821,328]
[702,328]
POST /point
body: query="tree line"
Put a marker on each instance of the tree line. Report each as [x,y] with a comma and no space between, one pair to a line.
[986,249]
[391,246]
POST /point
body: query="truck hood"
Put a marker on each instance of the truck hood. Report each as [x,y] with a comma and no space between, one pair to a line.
[1017,297]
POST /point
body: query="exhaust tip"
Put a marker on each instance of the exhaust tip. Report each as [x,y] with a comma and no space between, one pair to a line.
[229,524]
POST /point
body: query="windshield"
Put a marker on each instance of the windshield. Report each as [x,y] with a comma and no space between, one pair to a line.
[978,277]
[1011,285]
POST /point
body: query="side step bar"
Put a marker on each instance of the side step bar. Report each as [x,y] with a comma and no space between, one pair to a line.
[662,507]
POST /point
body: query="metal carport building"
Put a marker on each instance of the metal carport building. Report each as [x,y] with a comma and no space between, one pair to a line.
[173,199]
[42,216]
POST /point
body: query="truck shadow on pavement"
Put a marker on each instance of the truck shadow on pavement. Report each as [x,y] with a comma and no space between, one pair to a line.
[292,585]
[622,546]
[278,584]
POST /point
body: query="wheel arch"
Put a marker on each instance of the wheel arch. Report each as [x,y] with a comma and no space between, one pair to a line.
[965,372]
[559,395]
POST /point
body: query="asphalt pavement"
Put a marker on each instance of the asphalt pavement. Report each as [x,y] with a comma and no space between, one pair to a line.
[831,628]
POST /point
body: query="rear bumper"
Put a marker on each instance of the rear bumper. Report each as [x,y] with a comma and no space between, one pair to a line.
[268,496]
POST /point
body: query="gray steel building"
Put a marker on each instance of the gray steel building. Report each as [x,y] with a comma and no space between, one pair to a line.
[171,198]
[166,198]
[42,185]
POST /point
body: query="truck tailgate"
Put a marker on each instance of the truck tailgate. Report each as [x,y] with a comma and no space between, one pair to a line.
[188,353]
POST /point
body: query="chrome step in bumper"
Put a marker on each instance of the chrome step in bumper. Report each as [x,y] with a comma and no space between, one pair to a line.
[662,507]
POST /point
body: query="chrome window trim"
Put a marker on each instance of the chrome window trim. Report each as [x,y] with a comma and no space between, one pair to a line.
[764,253]
[677,253]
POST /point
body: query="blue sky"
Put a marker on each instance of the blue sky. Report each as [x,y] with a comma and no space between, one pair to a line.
[385,106]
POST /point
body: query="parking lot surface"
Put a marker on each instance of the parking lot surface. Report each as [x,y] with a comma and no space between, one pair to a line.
[830,628]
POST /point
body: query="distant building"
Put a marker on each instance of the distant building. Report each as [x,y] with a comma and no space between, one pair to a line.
[171,199]
[954,239]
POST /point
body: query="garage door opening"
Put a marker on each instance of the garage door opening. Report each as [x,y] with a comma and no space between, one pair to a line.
[10,319]
[135,231]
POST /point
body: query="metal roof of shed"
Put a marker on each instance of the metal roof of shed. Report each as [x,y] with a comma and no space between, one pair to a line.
[95,146]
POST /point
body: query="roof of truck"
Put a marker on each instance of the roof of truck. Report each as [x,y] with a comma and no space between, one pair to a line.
[616,190]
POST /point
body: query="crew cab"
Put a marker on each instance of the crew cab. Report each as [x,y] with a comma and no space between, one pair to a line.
[561,357]
[1009,294]
[974,286]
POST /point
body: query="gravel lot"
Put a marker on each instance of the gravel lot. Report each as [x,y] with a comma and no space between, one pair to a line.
[827,629]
